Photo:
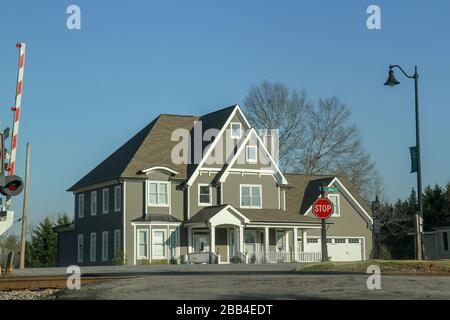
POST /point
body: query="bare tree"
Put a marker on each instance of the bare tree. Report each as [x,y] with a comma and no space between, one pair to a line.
[274,106]
[314,139]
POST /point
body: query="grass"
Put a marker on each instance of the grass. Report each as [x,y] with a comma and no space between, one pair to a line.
[386,266]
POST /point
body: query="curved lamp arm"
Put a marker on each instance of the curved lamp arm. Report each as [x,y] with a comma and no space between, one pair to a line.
[401,69]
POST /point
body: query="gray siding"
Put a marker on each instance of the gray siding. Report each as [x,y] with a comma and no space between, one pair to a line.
[100,222]
[231,189]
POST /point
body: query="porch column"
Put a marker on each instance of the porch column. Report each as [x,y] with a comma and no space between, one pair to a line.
[266,241]
[213,238]
[295,245]
[189,240]
[241,239]
[304,242]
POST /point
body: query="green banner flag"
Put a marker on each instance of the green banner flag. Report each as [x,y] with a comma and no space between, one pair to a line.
[413,151]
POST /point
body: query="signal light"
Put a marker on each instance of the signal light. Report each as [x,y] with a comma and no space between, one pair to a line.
[12,186]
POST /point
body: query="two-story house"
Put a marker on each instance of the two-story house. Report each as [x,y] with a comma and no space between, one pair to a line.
[207,189]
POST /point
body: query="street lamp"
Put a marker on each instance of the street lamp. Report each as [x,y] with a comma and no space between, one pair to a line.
[391,81]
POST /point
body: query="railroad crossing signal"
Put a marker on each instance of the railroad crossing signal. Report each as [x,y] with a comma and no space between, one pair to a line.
[11,186]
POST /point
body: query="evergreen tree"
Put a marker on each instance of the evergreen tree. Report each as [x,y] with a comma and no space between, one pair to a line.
[44,242]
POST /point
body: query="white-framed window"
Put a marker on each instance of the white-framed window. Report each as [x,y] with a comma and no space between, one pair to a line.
[93,203]
[312,240]
[80,248]
[445,241]
[117,198]
[93,247]
[158,193]
[105,246]
[251,196]
[142,244]
[81,205]
[353,240]
[236,130]
[159,244]
[117,242]
[339,240]
[105,201]
[204,194]
[251,154]
[337,204]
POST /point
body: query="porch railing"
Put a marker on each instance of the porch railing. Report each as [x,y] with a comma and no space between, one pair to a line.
[283,256]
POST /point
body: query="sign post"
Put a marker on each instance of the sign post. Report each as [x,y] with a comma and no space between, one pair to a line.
[323,209]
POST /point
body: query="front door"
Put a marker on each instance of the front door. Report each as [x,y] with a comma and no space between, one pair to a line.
[201,242]
[250,242]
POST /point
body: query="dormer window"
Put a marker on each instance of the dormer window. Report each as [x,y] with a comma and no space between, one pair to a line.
[236,130]
[158,194]
[251,154]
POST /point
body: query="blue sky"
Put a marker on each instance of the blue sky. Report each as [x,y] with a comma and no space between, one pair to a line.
[87,91]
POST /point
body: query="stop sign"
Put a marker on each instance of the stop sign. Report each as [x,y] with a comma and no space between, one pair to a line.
[323,208]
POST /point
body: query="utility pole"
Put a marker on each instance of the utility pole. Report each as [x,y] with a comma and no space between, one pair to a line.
[25,209]
[376,227]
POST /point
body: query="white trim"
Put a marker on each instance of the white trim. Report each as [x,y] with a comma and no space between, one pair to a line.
[105,210]
[160,168]
[250,186]
[168,184]
[81,206]
[283,224]
[135,240]
[124,227]
[93,249]
[146,223]
[231,130]
[164,244]
[338,204]
[239,150]
[351,197]
[94,196]
[117,208]
[203,204]
[105,249]
[213,144]
[256,154]
[138,244]
[80,244]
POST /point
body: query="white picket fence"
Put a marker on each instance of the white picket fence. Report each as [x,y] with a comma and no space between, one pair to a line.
[283,256]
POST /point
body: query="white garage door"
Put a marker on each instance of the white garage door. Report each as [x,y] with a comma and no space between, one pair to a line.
[339,249]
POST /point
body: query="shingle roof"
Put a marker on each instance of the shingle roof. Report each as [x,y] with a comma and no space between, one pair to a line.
[254,215]
[152,146]
[303,191]
[206,213]
[275,215]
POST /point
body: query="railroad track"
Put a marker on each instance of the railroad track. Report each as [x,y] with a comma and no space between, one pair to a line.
[44,282]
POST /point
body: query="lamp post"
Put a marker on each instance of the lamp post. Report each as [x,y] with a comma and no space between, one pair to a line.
[391,81]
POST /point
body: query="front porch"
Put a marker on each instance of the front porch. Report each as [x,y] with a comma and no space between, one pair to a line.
[224,235]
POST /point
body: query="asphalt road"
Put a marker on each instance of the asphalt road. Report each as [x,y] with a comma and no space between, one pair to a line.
[262,285]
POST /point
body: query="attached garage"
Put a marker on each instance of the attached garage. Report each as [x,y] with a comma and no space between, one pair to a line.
[339,248]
